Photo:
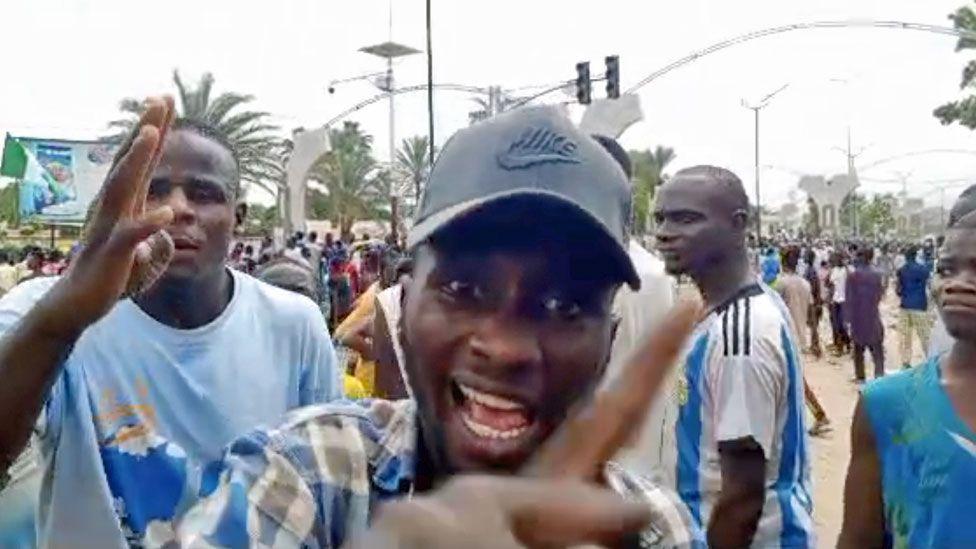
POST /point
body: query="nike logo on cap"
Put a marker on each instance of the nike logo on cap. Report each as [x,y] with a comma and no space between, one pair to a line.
[539,146]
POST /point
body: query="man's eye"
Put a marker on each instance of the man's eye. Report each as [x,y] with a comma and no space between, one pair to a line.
[158,189]
[206,193]
[458,289]
[945,269]
[562,308]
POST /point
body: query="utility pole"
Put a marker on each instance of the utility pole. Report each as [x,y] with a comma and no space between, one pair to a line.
[852,173]
[763,103]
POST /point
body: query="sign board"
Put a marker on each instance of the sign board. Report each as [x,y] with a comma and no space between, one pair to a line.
[74,172]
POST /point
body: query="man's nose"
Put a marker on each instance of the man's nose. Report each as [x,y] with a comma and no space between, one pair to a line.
[179,203]
[506,342]
[664,231]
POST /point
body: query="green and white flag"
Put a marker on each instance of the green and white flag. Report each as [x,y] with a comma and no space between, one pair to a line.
[20,163]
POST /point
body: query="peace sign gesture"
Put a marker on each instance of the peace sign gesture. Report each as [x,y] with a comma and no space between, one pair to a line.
[555,501]
[125,250]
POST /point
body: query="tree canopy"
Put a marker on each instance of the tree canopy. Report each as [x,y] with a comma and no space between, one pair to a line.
[962,111]
[255,140]
[649,167]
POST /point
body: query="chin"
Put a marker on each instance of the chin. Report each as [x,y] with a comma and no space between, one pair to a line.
[960,327]
[674,269]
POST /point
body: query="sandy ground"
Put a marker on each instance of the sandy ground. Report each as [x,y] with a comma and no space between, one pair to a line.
[832,380]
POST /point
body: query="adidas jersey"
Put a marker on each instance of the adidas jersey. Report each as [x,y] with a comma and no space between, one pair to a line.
[742,378]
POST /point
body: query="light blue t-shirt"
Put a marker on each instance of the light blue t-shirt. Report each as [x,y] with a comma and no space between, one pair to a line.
[142,410]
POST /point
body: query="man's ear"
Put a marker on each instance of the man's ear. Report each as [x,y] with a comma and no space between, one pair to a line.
[240,214]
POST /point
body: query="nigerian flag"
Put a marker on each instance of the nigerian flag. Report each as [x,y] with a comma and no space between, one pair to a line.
[38,188]
[18,161]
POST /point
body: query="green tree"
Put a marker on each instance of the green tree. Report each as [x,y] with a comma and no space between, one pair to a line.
[962,111]
[811,219]
[649,173]
[254,139]
[352,179]
[877,217]
[413,162]
[846,216]
[261,220]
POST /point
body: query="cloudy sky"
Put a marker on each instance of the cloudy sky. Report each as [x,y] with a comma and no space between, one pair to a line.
[68,62]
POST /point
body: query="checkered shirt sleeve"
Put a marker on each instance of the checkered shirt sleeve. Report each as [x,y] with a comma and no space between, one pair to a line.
[302,486]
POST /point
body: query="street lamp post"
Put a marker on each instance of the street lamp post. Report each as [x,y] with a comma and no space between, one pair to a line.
[389,50]
[755,109]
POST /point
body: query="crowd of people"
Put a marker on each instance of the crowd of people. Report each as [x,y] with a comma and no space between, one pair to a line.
[537,378]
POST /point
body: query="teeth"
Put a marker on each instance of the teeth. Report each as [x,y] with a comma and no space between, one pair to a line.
[489,432]
[489,400]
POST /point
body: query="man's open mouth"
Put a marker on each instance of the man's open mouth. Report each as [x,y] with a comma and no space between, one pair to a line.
[489,415]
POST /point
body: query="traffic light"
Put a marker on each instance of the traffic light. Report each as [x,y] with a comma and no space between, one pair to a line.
[613,76]
[584,88]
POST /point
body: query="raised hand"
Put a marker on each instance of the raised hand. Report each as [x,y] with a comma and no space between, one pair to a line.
[555,501]
[125,250]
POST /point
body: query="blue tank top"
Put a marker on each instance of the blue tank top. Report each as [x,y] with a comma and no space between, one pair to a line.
[928,460]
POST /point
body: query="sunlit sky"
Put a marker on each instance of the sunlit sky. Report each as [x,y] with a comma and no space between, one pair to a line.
[68,62]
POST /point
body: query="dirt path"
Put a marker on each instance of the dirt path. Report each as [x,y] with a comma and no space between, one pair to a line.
[831,379]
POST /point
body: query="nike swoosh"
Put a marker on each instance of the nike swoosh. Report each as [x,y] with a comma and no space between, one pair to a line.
[513,160]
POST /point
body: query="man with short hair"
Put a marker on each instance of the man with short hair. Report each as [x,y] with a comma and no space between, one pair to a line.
[519,250]
[862,307]
[136,367]
[913,440]
[798,297]
[743,463]
[912,287]
[839,318]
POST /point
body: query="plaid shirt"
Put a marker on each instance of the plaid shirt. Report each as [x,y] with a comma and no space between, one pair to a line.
[313,482]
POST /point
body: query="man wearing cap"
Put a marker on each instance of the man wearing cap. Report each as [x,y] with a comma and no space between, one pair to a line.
[506,325]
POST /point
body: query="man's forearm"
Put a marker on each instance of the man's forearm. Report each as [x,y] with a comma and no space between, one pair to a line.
[735,520]
[31,355]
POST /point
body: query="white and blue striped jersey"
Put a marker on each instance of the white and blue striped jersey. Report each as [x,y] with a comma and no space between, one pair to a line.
[743,379]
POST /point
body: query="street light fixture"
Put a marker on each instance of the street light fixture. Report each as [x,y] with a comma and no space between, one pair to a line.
[763,103]
[389,50]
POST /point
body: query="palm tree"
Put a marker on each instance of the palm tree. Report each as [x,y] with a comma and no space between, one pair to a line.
[649,169]
[413,161]
[351,176]
[259,150]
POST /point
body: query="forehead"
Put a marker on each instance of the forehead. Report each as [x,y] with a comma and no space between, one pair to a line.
[960,243]
[186,153]
[689,193]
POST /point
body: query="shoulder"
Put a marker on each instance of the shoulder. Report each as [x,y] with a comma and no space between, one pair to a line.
[889,399]
[333,443]
[274,302]
[755,318]
[21,299]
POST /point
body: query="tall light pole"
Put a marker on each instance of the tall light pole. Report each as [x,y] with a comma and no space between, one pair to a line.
[763,103]
[389,50]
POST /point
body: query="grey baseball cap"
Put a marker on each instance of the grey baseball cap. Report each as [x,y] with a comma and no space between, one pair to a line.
[535,153]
